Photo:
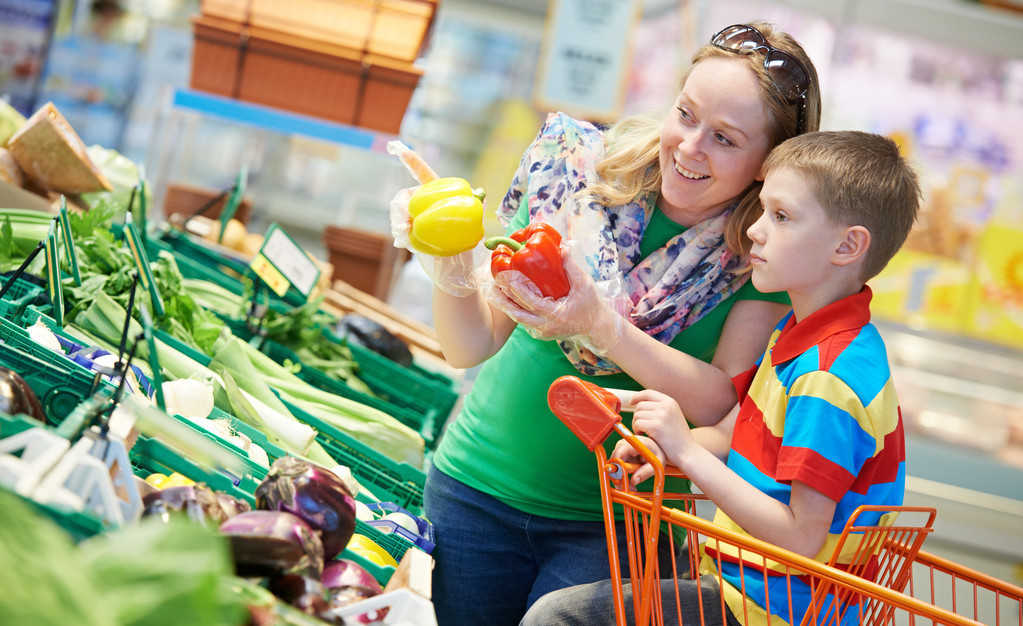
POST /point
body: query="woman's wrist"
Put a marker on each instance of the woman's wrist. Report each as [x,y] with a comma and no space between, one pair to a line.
[606,332]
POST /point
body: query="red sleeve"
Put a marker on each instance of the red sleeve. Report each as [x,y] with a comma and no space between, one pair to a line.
[743,381]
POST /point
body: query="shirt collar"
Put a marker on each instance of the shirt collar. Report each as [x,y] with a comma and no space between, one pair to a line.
[846,314]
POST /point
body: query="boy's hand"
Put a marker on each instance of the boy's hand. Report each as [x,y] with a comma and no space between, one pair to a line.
[624,451]
[658,416]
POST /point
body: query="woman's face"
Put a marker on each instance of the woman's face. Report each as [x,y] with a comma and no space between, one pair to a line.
[713,142]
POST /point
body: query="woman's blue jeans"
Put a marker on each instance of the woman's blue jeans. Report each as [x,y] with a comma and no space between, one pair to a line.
[493,561]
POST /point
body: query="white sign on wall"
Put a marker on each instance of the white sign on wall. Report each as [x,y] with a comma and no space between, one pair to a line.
[585,59]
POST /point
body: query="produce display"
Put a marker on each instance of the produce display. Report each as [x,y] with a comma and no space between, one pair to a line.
[276,499]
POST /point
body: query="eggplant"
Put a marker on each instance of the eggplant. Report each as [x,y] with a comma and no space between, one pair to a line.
[347,583]
[373,336]
[198,502]
[17,397]
[305,594]
[314,494]
[268,543]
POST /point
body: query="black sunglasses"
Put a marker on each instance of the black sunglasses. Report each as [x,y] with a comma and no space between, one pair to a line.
[787,73]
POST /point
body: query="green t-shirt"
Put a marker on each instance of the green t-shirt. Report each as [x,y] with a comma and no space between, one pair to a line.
[507,443]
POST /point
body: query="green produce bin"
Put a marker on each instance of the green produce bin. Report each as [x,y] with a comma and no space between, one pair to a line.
[21,294]
[390,481]
[423,424]
[150,455]
[60,388]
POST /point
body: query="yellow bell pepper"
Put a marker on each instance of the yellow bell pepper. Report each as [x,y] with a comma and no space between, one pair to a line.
[177,480]
[156,480]
[368,549]
[447,217]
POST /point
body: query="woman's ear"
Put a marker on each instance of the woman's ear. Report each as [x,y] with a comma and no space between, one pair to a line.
[853,246]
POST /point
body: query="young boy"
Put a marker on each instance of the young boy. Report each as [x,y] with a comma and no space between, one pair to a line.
[817,431]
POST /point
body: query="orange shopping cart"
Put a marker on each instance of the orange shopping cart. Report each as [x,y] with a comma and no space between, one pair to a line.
[877,575]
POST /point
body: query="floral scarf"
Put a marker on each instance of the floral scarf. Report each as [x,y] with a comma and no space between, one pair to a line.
[669,290]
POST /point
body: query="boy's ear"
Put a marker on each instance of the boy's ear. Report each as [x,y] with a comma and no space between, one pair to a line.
[853,246]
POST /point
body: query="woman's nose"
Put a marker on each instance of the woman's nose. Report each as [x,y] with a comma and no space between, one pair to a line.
[690,142]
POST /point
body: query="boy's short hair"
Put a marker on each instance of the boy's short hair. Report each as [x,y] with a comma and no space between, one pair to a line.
[859,179]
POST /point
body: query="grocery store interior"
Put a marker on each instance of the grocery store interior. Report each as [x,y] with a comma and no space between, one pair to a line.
[220,127]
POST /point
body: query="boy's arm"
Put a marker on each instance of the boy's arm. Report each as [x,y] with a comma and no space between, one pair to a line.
[717,439]
[801,526]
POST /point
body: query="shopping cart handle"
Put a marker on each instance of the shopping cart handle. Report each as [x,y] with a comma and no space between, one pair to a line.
[589,411]
[630,468]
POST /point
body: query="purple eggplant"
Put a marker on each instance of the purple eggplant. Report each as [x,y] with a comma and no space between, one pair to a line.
[266,543]
[17,397]
[347,583]
[198,502]
[305,594]
[314,494]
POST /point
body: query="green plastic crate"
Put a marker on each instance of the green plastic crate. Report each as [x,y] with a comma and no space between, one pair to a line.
[413,419]
[390,481]
[212,270]
[420,404]
[253,469]
[59,388]
[403,387]
[151,455]
[21,294]
[78,524]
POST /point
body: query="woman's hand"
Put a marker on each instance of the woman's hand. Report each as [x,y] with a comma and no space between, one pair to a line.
[583,313]
[455,275]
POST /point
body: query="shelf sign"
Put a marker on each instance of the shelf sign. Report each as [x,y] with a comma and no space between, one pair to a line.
[585,57]
[282,262]
[53,287]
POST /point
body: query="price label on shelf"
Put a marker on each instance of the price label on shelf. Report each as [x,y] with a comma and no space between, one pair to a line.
[281,262]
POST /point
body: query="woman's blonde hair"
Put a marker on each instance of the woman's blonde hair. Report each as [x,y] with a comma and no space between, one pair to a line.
[631,165]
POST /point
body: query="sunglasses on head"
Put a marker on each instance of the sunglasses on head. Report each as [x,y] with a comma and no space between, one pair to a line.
[787,73]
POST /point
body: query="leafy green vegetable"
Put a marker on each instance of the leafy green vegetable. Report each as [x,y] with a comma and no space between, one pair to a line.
[146,574]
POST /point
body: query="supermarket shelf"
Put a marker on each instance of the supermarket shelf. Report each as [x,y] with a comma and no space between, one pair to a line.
[277,120]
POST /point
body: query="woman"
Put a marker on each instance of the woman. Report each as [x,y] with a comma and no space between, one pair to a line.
[658,215]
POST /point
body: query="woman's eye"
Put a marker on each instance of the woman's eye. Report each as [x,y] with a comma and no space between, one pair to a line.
[721,139]
[684,114]
[780,216]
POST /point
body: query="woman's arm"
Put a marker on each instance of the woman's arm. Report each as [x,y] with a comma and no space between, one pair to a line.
[469,330]
[703,390]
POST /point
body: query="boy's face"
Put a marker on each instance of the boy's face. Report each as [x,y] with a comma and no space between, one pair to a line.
[794,240]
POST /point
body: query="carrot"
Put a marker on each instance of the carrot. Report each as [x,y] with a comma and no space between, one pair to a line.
[414,163]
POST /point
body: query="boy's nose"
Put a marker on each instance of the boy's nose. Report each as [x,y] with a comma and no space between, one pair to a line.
[754,232]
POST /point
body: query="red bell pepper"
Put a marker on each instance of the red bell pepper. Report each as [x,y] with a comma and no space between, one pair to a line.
[536,252]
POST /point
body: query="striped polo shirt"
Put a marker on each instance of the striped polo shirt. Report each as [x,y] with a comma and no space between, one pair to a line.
[819,407]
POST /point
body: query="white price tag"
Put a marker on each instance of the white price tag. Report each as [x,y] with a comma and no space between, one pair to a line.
[290,260]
